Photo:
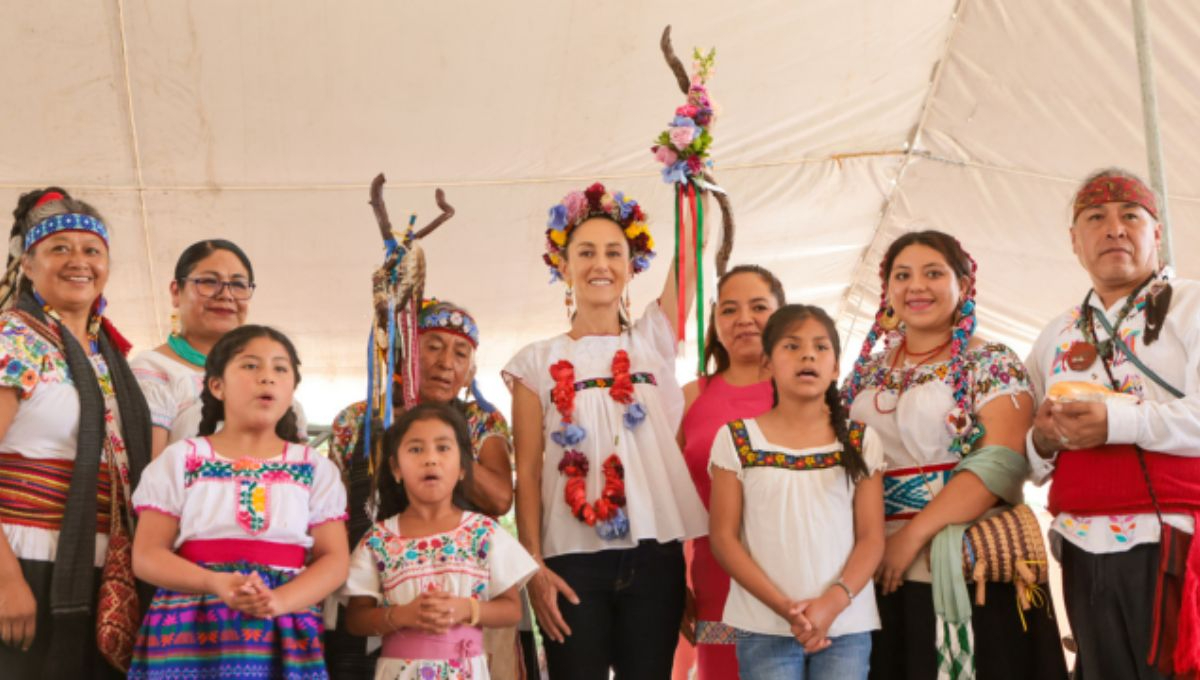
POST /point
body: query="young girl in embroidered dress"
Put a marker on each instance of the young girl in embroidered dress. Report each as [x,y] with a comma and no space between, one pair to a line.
[243,530]
[428,574]
[797,515]
[603,493]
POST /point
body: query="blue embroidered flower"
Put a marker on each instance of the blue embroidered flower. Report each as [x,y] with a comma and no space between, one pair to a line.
[617,527]
[634,415]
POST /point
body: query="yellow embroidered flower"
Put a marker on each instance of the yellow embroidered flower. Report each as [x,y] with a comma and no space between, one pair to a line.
[258,499]
[559,237]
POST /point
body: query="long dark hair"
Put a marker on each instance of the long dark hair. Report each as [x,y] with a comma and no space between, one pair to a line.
[199,250]
[714,351]
[212,410]
[393,500]
[788,317]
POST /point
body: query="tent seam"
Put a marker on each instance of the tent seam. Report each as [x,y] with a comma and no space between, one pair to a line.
[854,291]
[140,187]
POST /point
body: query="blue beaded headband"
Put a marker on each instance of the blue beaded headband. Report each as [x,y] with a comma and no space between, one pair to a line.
[65,222]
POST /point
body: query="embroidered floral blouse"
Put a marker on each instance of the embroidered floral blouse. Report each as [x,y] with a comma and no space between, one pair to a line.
[912,426]
[1159,423]
[46,424]
[214,496]
[476,559]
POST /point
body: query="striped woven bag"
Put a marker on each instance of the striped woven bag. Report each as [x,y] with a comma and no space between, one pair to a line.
[1007,548]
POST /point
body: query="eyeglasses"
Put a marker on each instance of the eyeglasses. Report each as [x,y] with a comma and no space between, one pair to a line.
[211,287]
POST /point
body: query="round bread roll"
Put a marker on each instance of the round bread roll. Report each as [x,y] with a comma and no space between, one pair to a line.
[1075,390]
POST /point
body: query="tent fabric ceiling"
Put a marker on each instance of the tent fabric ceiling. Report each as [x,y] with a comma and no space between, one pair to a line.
[842,124]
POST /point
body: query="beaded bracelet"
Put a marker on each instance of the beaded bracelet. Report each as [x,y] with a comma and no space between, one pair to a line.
[842,584]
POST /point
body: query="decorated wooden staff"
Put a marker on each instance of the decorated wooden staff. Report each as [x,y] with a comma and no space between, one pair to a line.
[397,290]
[683,149]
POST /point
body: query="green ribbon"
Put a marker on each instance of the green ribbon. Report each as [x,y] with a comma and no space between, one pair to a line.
[190,354]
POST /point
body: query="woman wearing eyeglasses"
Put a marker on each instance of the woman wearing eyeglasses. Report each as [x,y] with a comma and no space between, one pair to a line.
[211,294]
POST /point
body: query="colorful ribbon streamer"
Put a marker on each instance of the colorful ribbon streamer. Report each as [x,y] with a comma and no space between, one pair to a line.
[687,203]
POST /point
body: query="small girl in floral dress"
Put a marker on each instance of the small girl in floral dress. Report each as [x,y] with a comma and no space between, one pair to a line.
[429,576]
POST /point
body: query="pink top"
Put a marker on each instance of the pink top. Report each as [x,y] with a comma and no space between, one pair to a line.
[718,403]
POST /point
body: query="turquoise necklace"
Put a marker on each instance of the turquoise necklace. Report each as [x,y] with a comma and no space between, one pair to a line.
[185,351]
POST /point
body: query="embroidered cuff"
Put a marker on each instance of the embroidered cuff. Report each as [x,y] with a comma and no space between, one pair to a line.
[1040,468]
[1122,422]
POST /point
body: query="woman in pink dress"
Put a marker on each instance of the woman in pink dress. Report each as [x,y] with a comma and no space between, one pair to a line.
[736,387]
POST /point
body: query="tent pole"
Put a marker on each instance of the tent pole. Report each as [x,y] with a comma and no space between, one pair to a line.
[1158,177]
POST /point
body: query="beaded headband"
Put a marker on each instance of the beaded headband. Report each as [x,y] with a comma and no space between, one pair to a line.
[63,223]
[579,206]
[439,315]
[1115,189]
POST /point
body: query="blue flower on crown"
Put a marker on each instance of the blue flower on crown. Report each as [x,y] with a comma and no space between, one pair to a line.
[558,217]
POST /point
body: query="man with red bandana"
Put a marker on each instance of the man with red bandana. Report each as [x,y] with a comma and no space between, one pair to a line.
[1124,467]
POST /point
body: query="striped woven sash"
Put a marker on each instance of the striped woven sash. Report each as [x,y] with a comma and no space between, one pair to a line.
[33,493]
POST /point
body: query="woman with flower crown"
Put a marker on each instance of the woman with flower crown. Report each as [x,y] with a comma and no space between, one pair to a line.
[603,494]
[954,453]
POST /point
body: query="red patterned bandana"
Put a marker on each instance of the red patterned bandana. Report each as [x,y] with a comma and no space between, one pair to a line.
[1110,189]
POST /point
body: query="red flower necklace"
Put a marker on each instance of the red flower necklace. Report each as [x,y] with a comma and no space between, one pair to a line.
[605,513]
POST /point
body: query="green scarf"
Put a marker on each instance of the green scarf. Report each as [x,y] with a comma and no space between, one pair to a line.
[1003,471]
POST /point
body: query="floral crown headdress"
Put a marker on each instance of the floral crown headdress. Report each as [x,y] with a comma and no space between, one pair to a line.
[579,206]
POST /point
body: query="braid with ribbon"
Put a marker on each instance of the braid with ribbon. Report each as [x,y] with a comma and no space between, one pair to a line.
[854,383]
[960,421]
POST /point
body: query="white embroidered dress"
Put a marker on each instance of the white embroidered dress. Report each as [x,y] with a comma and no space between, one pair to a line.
[477,559]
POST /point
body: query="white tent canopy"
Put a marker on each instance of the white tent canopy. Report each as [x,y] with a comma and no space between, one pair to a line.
[842,123]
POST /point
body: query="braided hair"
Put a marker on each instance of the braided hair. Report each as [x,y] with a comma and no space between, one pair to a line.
[785,319]
[961,420]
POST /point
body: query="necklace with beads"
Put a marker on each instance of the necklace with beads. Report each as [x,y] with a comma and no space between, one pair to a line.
[902,351]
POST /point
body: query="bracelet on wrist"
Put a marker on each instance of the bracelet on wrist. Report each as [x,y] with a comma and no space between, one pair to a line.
[842,584]
[474,611]
[387,617]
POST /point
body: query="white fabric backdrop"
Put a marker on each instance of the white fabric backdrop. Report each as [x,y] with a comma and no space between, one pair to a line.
[843,123]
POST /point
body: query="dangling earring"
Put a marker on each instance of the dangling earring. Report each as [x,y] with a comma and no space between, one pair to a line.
[569,302]
[889,321]
[175,329]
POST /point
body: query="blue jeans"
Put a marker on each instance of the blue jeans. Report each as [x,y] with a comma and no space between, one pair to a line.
[780,657]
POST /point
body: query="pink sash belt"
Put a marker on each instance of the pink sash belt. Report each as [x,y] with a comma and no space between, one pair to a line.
[224,550]
[460,642]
